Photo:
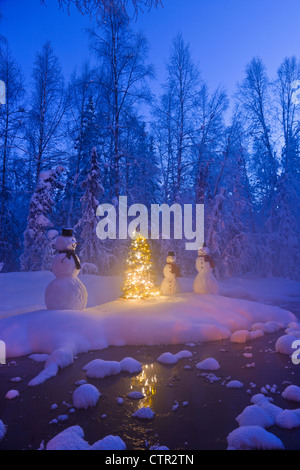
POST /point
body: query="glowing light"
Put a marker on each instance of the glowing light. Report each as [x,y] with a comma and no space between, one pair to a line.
[138,282]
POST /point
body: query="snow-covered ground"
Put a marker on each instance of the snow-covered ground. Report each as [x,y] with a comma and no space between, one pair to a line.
[24,292]
[27,327]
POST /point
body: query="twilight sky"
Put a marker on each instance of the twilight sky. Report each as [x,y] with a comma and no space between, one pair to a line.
[224,34]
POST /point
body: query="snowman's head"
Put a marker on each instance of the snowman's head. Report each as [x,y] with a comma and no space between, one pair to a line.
[203,250]
[171,257]
[66,241]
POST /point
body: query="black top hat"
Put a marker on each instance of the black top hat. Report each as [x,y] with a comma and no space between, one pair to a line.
[67,232]
[171,253]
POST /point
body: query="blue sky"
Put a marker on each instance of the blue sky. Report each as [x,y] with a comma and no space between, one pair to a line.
[224,34]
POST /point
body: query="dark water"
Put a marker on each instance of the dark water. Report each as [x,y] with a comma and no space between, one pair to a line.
[203,424]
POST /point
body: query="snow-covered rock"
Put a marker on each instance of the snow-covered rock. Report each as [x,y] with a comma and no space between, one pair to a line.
[234,384]
[208,364]
[292,393]
[12,394]
[130,365]
[253,438]
[284,344]
[86,396]
[288,419]
[136,395]
[254,415]
[167,358]
[59,359]
[98,369]
[144,413]
[73,439]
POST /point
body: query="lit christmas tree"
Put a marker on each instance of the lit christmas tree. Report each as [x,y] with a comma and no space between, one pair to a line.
[139,282]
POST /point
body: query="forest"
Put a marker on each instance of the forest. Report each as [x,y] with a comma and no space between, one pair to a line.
[68,146]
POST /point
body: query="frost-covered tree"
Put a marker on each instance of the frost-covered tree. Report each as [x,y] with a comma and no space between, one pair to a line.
[90,245]
[39,220]
[47,108]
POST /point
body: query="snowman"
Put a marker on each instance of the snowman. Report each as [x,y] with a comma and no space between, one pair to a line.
[66,291]
[170,285]
[205,282]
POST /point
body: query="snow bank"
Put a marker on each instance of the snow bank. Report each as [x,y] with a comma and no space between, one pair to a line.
[292,393]
[86,396]
[173,320]
[73,439]
[240,336]
[98,369]
[2,430]
[253,438]
[208,364]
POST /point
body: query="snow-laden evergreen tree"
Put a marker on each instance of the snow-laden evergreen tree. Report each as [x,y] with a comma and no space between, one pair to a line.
[91,247]
[39,220]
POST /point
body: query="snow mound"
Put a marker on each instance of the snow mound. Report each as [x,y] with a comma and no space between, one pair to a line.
[253,438]
[234,384]
[136,395]
[2,430]
[208,364]
[144,413]
[254,415]
[292,393]
[264,403]
[288,419]
[109,443]
[240,336]
[130,365]
[12,394]
[284,344]
[169,358]
[99,369]
[73,439]
[86,396]
[39,357]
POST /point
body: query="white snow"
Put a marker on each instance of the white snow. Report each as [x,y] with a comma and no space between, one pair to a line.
[179,319]
[12,394]
[288,419]
[240,336]
[73,439]
[169,358]
[2,430]
[144,413]
[39,357]
[136,395]
[254,415]
[86,396]
[292,393]
[284,344]
[208,364]
[253,438]
[234,384]
[98,369]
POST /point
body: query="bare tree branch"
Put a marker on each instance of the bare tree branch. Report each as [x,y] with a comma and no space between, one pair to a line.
[98,8]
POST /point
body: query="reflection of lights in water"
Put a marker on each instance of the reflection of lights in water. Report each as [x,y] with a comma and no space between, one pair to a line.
[146,383]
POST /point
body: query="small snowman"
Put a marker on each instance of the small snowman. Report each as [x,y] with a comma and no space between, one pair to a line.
[170,284]
[66,292]
[205,282]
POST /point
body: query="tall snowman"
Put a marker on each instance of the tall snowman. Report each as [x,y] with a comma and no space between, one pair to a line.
[205,282]
[170,284]
[66,292]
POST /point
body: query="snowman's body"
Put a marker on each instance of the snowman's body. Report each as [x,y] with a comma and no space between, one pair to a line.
[170,284]
[66,291]
[205,282]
